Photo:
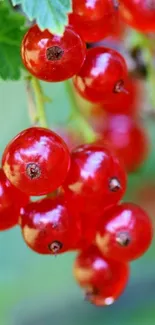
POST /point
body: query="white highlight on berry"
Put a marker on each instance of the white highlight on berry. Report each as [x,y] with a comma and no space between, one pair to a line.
[109,301]
[101,61]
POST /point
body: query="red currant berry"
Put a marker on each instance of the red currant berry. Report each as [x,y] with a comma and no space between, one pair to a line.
[92,30]
[50,57]
[96,180]
[125,102]
[139,14]
[11,201]
[48,228]
[124,135]
[103,280]
[101,75]
[36,161]
[94,9]
[124,232]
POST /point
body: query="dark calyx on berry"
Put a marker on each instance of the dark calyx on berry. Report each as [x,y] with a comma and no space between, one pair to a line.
[123,238]
[55,246]
[33,170]
[54,53]
[119,87]
[114,184]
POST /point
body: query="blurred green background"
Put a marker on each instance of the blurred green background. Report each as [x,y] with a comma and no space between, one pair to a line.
[40,290]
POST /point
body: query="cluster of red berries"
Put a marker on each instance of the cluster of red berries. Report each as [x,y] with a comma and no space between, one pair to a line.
[81,209]
[117,123]
[99,74]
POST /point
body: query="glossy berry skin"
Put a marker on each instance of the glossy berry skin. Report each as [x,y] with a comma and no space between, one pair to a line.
[95,181]
[11,201]
[94,30]
[125,102]
[103,280]
[127,138]
[50,57]
[124,232]
[94,9]
[102,75]
[139,14]
[48,228]
[36,161]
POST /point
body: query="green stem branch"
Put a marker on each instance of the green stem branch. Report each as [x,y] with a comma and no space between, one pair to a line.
[151,74]
[77,119]
[40,102]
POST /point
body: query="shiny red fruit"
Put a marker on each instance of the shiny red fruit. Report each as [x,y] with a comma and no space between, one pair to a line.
[125,102]
[127,138]
[11,201]
[95,181]
[36,161]
[103,280]
[139,14]
[124,232]
[51,57]
[94,30]
[102,74]
[94,9]
[48,228]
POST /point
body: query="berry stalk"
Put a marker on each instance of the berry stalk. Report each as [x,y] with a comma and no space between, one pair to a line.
[77,119]
[40,101]
[151,74]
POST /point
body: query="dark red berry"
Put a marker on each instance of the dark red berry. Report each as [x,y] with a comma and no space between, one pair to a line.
[51,57]
[102,75]
[124,232]
[94,9]
[48,228]
[94,19]
[94,30]
[96,180]
[127,138]
[11,201]
[103,280]
[139,14]
[125,102]
[36,161]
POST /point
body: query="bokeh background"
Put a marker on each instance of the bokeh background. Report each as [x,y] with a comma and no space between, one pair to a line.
[40,290]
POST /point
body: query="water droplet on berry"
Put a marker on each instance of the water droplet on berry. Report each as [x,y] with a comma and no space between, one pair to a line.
[54,53]
[55,246]
[33,170]
[114,184]
[123,238]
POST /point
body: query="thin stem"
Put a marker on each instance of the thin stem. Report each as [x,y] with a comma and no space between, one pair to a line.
[77,119]
[151,74]
[31,104]
[40,101]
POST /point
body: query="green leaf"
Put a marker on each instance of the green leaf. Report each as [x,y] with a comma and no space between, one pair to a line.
[49,14]
[11,34]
